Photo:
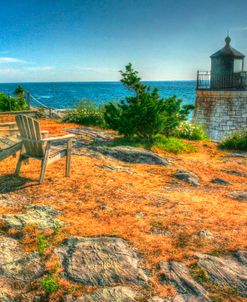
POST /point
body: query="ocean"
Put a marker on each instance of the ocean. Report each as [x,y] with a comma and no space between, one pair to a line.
[66,95]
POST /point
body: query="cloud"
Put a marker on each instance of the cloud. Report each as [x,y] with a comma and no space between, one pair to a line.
[7,60]
[243,28]
[97,69]
[41,68]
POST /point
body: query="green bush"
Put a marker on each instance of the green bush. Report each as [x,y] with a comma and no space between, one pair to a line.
[190,131]
[86,113]
[145,114]
[8,103]
[236,141]
[50,284]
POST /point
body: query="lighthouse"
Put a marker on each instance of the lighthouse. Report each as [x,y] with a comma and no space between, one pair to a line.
[221,94]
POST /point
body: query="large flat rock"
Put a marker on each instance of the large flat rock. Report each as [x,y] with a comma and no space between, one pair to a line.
[17,268]
[43,217]
[230,271]
[132,155]
[103,261]
[114,294]
[177,274]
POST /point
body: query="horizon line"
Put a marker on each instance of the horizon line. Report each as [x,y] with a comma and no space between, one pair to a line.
[18,82]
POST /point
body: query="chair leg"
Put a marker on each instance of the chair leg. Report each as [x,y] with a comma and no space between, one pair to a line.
[43,170]
[44,163]
[18,165]
[68,158]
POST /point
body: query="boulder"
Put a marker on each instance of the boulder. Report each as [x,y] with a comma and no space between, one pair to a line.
[234,172]
[219,181]
[101,261]
[116,168]
[205,234]
[43,217]
[236,155]
[177,274]
[239,195]
[230,271]
[117,294]
[187,176]
[17,268]
[132,155]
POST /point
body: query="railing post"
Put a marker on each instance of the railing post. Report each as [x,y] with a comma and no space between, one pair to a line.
[28,100]
[9,102]
[197,80]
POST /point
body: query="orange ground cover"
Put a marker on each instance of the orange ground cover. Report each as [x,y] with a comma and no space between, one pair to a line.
[95,201]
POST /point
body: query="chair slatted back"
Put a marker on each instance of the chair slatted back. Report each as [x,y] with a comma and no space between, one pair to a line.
[29,129]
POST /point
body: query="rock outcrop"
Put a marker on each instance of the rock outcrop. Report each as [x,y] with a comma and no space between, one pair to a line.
[177,274]
[187,176]
[43,217]
[239,195]
[219,181]
[17,268]
[230,271]
[101,261]
[118,293]
[132,155]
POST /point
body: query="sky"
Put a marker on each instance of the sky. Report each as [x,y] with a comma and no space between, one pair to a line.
[91,40]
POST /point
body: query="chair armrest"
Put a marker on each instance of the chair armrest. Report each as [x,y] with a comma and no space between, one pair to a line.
[58,138]
[44,133]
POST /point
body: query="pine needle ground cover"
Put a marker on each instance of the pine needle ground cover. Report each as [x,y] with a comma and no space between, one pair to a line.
[160,216]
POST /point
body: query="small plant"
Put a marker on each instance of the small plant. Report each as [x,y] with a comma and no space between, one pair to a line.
[236,141]
[190,131]
[87,113]
[50,284]
[42,244]
[157,224]
[57,227]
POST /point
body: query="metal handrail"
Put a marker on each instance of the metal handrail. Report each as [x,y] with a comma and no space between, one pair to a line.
[207,80]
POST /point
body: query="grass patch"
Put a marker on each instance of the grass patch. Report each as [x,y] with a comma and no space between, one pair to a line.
[173,145]
[42,244]
[167,144]
[236,141]
[50,284]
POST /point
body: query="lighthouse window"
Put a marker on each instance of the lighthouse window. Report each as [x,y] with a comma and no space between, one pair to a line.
[237,65]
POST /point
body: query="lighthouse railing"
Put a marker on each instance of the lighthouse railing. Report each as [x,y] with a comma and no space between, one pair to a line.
[206,80]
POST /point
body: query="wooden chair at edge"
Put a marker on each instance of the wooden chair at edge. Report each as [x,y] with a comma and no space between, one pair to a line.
[34,146]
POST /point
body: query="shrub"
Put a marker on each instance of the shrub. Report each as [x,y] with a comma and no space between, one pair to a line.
[145,114]
[236,141]
[8,103]
[86,113]
[190,131]
[50,284]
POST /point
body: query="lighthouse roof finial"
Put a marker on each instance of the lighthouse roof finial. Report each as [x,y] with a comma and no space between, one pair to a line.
[228,40]
[228,51]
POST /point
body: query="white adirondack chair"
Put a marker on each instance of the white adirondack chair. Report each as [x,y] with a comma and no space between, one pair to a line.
[34,146]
